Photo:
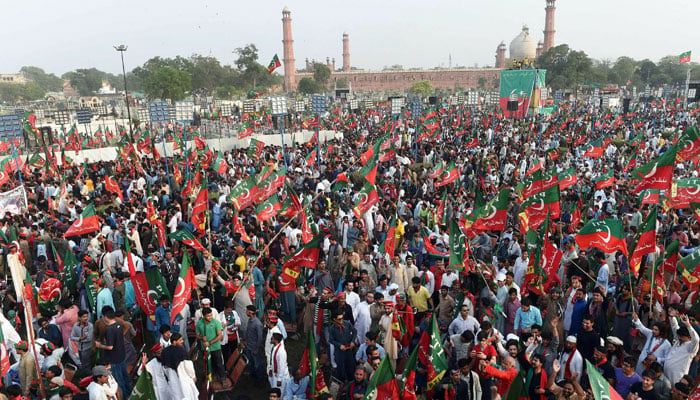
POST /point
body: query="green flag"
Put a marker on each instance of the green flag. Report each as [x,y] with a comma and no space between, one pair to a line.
[144,388]
[383,384]
[600,386]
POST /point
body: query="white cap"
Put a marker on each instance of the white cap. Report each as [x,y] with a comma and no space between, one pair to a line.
[393,286]
[206,301]
[501,276]
[571,339]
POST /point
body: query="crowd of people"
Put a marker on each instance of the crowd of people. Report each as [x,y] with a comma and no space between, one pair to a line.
[379,278]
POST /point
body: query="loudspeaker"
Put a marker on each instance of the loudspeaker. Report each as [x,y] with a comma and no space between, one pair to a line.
[512,105]
[432,100]
[625,105]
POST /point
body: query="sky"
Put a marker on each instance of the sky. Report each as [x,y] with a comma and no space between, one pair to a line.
[61,36]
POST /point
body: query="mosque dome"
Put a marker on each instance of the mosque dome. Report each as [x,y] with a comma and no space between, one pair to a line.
[523,46]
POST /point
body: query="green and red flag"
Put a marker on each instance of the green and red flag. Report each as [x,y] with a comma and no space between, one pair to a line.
[311,158]
[595,148]
[695,207]
[517,389]
[669,261]
[200,209]
[270,185]
[689,268]
[649,196]
[688,144]
[645,241]
[552,154]
[431,354]
[682,59]
[383,385]
[366,198]
[187,238]
[531,185]
[220,166]
[538,205]
[684,192]
[449,175]
[492,217]
[549,179]
[306,256]
[4,357]
[255,148]
[607,179]
[656,174]
[369,170]
[87,222]
[273,65]
[599,385]
[408,384]
[458,247]
[473,140]
[183,290]
[604,234]
[244,194]
[268,208]
[36,161]
[309,366]
[245,130]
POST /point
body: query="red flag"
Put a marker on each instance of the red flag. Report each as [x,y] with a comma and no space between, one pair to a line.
[112,186]
[183,290]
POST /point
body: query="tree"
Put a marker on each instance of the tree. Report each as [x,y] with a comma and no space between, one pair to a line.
[247,57]
[565,68]
[307,86]
[482,83]
[423,88]
[168,83]
[321,75]
[48,82]
[623,70]
[12,92]
[85,80]
[342,83]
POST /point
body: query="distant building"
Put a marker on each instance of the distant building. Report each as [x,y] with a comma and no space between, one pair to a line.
[394,78]
[18,79]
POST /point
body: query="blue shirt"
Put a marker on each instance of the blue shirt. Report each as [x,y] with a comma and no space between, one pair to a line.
[129,295]
[163,318]
[361,352]
[104,298]
[525,319]
[293,390]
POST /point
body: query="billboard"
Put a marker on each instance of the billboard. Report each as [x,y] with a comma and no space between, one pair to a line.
[520,90]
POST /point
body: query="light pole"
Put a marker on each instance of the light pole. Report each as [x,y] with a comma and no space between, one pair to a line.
[279,110]
[121,49]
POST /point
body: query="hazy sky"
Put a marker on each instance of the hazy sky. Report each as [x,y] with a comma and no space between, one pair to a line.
[63,35]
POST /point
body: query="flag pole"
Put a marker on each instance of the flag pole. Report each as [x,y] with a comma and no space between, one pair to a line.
[30,335]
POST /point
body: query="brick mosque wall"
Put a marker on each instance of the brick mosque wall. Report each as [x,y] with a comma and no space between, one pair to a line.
[403,80]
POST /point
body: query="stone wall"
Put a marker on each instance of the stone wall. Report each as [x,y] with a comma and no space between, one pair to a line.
[362,81]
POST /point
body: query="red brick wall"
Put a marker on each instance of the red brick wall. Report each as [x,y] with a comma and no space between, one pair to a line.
[403,80]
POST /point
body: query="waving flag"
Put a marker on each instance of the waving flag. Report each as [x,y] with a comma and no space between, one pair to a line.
[656,174]
[366,198]
[183,290]
[646,241]
[604,234]
[88,222]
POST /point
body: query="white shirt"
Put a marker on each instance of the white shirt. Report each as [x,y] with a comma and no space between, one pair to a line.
[138,263]
[576,365]
[657,346]
[448,279]
[96,391]
[681,355]
[353,300]
[460,325]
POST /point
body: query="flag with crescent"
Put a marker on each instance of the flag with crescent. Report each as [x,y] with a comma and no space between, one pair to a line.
[87,222]
[604,234]
[183,290]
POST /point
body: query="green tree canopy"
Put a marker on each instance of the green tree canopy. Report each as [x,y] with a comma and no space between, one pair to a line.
[168,83]
[423,88]
[48,82]
[322,74]
[307,86]
[86,80]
